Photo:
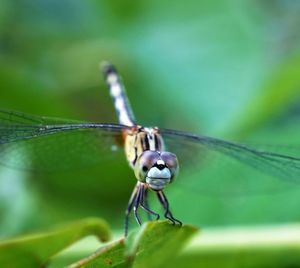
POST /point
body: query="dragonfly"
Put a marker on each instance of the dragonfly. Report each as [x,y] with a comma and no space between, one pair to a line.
[146,151]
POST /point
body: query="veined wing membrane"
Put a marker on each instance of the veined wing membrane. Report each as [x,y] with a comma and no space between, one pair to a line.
[219,167]
[49,144]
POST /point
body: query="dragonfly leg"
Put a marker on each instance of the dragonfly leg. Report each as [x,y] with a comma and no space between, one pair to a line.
[165,203]
[145,205]
[136,203]
[129,208]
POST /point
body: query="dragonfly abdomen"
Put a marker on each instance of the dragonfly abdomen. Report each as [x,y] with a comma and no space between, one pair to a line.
[117,92]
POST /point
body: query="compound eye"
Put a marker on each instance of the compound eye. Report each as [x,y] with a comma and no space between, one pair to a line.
[170,159]
[171,162]
[146,161]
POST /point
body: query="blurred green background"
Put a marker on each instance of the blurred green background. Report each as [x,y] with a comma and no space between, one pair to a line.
[228,69]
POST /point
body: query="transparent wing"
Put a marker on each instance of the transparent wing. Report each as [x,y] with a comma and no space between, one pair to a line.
[214,166]
[49,144]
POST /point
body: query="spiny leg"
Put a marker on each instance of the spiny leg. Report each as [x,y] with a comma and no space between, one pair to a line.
[137,199]
[165,203]
[145,205]
[136,204]
[129,207]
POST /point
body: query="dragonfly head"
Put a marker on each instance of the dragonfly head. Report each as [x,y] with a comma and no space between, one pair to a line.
[157,169]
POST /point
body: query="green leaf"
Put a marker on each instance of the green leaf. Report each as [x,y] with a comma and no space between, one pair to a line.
[157,243]
[154,244]
[35,250]
[111,255]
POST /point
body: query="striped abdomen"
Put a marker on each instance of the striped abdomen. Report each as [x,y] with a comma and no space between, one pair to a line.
[117,92]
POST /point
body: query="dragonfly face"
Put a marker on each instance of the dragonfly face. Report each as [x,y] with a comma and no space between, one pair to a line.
[156,169]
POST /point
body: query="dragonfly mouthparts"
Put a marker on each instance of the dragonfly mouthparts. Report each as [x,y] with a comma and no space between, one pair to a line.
[158,173]
[158,179]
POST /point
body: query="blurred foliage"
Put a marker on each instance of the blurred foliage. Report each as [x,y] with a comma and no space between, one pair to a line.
[36,249]
[225,68]
[157,244]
